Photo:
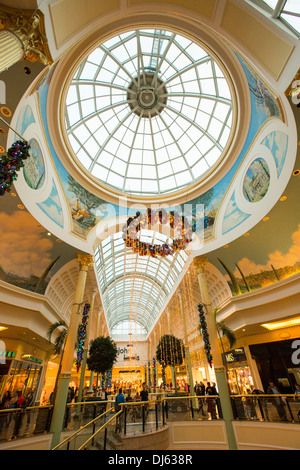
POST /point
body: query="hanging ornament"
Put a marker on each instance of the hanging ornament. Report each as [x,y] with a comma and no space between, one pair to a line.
[11,163]
[203,328]
[149,217]
[82,335]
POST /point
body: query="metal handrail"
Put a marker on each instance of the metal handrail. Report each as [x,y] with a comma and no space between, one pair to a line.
[80,429]
[84,445]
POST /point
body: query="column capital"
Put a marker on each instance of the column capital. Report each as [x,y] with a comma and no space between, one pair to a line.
[200,262]
[85,261]
[29,27]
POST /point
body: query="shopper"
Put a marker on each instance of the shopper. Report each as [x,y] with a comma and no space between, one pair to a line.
[211,402]
[200,400]
[248,405]
[119,399]
[144,393]
[277,402]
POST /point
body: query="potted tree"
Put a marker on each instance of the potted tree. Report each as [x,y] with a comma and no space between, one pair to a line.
[102,355]
[170,352]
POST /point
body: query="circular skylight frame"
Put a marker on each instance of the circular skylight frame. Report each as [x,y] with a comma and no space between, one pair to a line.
[164,167]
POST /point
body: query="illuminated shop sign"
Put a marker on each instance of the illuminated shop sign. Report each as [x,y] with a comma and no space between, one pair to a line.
[8,354]
[129,371]
[30,358]
[236,355]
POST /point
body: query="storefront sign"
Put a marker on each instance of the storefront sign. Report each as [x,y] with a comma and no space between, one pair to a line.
[30,358]
[9,354]
[236,355]
[129,371]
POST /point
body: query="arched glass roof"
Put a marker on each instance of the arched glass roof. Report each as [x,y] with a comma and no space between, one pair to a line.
[134,288]
[148,112]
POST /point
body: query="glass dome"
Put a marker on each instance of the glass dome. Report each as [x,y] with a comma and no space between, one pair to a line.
[148,112]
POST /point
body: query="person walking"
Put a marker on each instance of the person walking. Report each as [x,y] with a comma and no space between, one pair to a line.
[277,402]
[211,402]
[145,397]
[200,400]
[119,399]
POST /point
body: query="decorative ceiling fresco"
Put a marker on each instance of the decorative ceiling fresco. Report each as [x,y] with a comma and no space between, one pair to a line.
[230,207]
[29,256]
[271,250]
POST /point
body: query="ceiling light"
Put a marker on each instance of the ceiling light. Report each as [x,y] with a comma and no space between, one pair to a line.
[283,198]
[265,219]
[49,234]
[296,172]
[281,324]
[246,234]
[3,328]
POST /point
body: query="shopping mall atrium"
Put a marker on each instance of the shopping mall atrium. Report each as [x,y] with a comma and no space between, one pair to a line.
[149,194]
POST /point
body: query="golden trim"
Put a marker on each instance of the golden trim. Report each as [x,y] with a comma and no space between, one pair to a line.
[29,27]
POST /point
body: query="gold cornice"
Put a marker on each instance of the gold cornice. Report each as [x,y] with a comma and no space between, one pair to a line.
[29,27]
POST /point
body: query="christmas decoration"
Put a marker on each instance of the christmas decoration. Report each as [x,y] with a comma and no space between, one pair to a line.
[154,372]
[163,376]
[150,218]
[203,328]
[82,335]
[11,163]
[149,374]
[108,376]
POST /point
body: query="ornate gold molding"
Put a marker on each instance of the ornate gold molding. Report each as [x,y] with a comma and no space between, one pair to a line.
[85,260]
[29,27]
[294,85]
[200,262]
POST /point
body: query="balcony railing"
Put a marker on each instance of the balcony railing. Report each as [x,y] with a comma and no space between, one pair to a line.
[83,420]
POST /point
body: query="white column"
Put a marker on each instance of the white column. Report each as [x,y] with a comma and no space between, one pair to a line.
[11,49]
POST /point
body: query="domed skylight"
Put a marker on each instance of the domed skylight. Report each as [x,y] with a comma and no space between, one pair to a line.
[148,112]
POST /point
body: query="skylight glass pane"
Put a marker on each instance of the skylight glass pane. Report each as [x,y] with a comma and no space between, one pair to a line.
[141,97]
[135,286]
[293,20]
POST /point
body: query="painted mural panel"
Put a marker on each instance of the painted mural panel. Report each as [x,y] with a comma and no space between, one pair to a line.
[257,180]
[34,167]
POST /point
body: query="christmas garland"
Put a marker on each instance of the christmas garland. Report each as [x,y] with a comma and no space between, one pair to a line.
[154,372]
[163,375]
[143,221]
[11,163]
[203,328]
[108,376]
[82,335]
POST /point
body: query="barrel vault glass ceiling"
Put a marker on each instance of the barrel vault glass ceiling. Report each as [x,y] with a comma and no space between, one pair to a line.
[148,112]
[135,288]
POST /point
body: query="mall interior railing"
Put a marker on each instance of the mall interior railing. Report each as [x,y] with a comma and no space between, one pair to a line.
[142,417]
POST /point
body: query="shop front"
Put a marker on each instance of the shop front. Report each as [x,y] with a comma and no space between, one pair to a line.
[239,375]
[278,361]
[128,378]
[24,375]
